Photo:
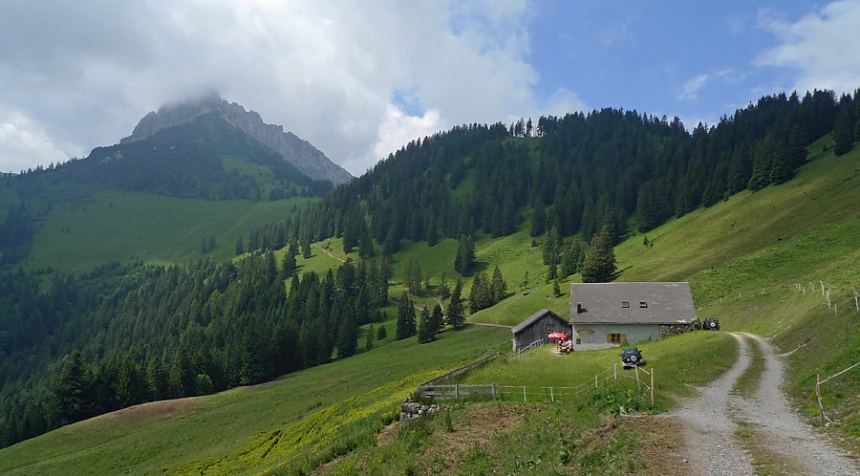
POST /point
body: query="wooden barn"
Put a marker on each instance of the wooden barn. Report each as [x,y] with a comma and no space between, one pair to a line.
[538,326]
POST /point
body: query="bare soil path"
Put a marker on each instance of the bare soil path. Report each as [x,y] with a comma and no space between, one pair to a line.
[710,422]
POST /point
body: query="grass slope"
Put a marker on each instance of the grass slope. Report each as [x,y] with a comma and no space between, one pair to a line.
[124,225]
[200,432]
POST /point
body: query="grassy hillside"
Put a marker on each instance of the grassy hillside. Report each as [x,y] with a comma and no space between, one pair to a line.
[120,226]
[805,231]
[190,432]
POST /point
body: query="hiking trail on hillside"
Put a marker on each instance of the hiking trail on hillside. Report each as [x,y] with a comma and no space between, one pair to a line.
[712,419]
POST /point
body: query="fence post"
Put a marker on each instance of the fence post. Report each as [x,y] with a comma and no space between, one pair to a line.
[456,391]
[818,396]
[615,371]
[493,389]
[595,381]
[652,387]
[551,395]
[524,394]
[638,386]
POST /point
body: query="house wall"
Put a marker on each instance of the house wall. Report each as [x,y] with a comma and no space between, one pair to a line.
[539,330]
[633,332]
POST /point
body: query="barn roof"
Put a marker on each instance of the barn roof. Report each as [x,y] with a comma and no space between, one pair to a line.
[648,303]
[534,318]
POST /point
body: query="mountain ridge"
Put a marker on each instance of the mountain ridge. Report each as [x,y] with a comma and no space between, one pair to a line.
[295,150]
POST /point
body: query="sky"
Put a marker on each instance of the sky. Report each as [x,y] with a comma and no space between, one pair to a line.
[361,78]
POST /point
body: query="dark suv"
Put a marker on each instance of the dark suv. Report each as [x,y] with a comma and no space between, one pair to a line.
[711,324]
[631,357]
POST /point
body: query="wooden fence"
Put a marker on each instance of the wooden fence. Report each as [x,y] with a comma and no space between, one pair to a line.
[477,391]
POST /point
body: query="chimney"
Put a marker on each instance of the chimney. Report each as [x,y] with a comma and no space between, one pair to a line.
[578,307]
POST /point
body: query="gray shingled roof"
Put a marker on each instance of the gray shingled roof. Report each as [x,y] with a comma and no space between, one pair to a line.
[667,303]
[534,317]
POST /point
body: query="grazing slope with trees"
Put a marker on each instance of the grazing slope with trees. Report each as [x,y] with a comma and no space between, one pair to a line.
[124,334]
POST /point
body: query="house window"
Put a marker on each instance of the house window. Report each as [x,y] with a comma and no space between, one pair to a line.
[616,338]
[549,328]
[625,304]
[643,304]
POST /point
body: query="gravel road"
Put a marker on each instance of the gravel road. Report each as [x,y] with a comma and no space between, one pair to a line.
[709,428]
[791,436]
[709,422]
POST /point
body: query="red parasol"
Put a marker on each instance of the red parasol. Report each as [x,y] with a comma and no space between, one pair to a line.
[557,335]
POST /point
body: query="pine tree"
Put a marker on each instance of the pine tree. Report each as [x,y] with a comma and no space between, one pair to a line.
[288,265]
[405,318]
[348,335]
[365,249]
[499,287]
[556,288]
[425,328]
[762,164]
[391,244]
[437,318]
[551,247]
[456,314]
[240,245]
[464,262]
[782,169]
[73,391]
[843,133]
[381,334]
[599,266]
[538,219]
[570,259]
[368,338]
[306,246]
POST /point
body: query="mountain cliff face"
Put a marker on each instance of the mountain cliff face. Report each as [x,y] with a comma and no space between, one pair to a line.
[304,156]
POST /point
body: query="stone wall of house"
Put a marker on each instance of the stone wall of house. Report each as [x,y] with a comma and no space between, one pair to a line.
[667,330]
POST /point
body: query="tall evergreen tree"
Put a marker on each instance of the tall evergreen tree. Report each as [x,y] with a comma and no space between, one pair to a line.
[405,318]
[464,262]
[599,266]
[538,218]
[240,245]
[437,318]
[425,328]
[843,134]
[762,164]
[73,390]
[456,314]
[498,287]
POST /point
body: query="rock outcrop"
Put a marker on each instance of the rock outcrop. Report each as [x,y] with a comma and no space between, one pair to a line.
[410,410]
[304,156]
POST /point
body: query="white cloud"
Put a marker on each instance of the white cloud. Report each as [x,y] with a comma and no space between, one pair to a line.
[821,48]
[691,88]
[21,139]
[86,72]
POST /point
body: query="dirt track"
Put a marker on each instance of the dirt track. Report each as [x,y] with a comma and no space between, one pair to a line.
[711,420]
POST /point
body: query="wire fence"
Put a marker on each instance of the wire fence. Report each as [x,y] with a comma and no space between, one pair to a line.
[530,393]
[819,288]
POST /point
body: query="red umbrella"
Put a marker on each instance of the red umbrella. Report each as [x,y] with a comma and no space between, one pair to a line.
[557,335]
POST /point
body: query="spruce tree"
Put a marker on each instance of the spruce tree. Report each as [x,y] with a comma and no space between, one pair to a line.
[538,219]
[288,264]
[348,333]
[74,391]
[437,318]
[456,314]
[365,249]
[368,338]
[425,328]
[762,164]
[405,318]
[551,246]
[464,262]
[240,245]
[843,133]
[381,334]
[556,288]
[781,170]
[498,287]
[391,244]
[599,266]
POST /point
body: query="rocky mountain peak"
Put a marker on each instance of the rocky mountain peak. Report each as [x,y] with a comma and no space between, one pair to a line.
[302,154]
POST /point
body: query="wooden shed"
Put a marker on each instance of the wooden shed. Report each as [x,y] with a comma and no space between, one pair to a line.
[538,326]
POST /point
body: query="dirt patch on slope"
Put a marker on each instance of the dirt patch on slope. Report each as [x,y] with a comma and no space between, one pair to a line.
[662,444]
[160,409]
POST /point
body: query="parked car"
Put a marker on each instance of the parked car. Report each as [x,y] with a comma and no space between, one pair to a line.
[711,324]
[631,357]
